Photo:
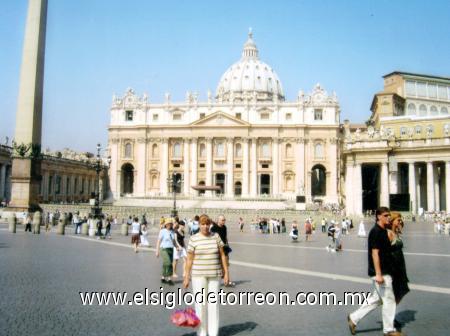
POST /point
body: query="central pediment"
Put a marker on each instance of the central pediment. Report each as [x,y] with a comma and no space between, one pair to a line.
[219,119]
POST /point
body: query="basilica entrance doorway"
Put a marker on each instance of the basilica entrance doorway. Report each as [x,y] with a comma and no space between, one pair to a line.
[264,184]
[220,182]
[370,186]
[127,178]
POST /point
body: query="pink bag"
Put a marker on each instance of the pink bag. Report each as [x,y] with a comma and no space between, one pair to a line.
[185,318]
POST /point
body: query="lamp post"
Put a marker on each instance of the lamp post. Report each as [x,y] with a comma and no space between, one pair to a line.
[96,211]
[173,182]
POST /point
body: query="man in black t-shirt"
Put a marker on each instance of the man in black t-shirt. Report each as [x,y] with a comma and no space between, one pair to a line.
[380,270]
[221,229]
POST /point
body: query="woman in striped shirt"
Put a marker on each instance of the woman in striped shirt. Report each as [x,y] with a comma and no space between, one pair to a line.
[206,262]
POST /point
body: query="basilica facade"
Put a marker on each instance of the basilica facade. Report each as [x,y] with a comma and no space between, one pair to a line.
[244,141]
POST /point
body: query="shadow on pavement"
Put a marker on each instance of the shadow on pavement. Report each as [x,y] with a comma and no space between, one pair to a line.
[406,316]
[232,329]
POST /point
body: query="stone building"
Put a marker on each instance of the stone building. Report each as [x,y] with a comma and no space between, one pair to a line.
[246,139]
[5,173]
[67,176]
[402,159]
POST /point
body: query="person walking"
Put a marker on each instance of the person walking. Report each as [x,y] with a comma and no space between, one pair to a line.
[206,262]
[28,223]
[144,235]
[164,246]
[108,227]
[179,251]
[399,276]
[135,233]
[308,229]
[241,224]
[380,270]
[221,229]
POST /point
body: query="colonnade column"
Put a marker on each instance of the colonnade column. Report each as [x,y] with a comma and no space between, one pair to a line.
[412,187]
[357,191]
[437,190]
[194,163]
[2,181]
[209,163]
[245,168]
[430,186]
[254,173]
[447,186]
[384,190]
[163,187]
[141,167]
[275,167]
[333,196]
[230,168]
[349,191]
[300,167]
[186,179]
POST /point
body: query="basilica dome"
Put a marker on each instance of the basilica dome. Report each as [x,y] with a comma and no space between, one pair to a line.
[249,78]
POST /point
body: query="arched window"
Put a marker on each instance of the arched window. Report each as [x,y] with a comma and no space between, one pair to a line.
[444,110]
[155,152]
[238,188]
[127,179]
[177,149]
[318,151]
[201,192]
[220,149]
[202,151]
[433,110]
[154,181]
[318,181]
[423,111]
[289,150]
[289,183]
[127,152]
[238,150]
[265,150]
[411,109]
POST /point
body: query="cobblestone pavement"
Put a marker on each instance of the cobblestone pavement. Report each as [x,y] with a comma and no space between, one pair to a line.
[41,277]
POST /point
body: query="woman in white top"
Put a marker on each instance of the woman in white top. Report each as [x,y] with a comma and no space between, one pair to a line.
[135,233]
[206,260]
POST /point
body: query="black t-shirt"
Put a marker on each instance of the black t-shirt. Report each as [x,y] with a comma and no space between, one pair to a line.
[222,231]
[378,239]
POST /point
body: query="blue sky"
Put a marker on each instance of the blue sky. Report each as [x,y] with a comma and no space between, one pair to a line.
[96,48]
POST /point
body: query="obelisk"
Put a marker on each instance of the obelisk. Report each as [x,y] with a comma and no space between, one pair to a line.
[26,166]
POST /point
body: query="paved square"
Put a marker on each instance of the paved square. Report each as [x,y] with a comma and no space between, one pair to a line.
[41,277]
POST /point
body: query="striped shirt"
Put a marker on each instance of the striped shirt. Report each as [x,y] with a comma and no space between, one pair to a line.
[206,255]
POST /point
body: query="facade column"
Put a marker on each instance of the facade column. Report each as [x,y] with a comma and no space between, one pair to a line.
[412,188]
[209,165]
[230,168]
[349,191]
[357,192]
[45,190]
[275,167]
[384,181]
[186,179]
[300,167]
[194,163]
[437,189]
[333,195]
[254,173]
[245,168]
[430,186]
[163,187]
[447,186]
[113,176]
[141,167]
[2,181]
